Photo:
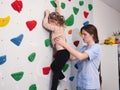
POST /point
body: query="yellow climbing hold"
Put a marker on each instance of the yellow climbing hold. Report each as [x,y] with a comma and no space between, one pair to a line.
[4,21]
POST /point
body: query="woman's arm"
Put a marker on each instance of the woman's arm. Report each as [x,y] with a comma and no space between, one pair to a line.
[75,53]
[72,58]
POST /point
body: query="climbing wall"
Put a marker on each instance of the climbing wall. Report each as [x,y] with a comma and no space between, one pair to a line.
[25,46]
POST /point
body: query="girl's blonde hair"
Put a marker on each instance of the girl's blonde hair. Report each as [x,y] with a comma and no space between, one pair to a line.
[57,17]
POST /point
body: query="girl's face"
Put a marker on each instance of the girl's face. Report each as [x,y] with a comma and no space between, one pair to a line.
[86,36]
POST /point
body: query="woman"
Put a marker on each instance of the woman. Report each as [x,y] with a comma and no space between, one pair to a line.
[88,58]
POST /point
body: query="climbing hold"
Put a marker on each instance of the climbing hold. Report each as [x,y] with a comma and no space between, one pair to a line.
[17,5]
[33,87]
[65,67]
[17,76]
[32,57]
[2,59]
[47,42]
[70,20]
[17,40]
[46,70]
[31,24]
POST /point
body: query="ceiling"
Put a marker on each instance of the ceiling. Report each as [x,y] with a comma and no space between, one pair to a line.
[113,3]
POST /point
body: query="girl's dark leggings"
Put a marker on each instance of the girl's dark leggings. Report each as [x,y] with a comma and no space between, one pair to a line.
[62,56]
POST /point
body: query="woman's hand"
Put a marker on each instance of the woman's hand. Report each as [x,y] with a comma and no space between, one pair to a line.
[60,41]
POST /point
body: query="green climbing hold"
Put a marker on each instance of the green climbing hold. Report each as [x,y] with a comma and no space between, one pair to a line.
[65,67]
[75,10]
[33,87]
[90,7]
[17,76]
[63,5]
[47,42]
[32,57]
[81,3]
[53,3]
[70,20]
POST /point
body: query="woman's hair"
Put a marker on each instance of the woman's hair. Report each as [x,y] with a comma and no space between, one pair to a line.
[57,17]
[92,30]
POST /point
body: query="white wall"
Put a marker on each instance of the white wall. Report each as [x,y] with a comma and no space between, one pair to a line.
[106,19]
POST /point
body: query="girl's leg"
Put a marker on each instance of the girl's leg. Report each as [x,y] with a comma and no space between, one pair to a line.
[57,65]
[61,58]
[55,82]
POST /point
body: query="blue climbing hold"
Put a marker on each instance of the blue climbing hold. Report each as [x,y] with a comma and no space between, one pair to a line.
[17,40]
[2,59]
[71,78]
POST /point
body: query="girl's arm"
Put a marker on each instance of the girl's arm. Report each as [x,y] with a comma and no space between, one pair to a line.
[57,9]
[46,23]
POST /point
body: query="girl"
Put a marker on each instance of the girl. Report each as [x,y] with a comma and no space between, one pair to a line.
[55,23]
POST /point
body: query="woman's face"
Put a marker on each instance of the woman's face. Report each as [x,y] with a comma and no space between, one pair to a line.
[86,36]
